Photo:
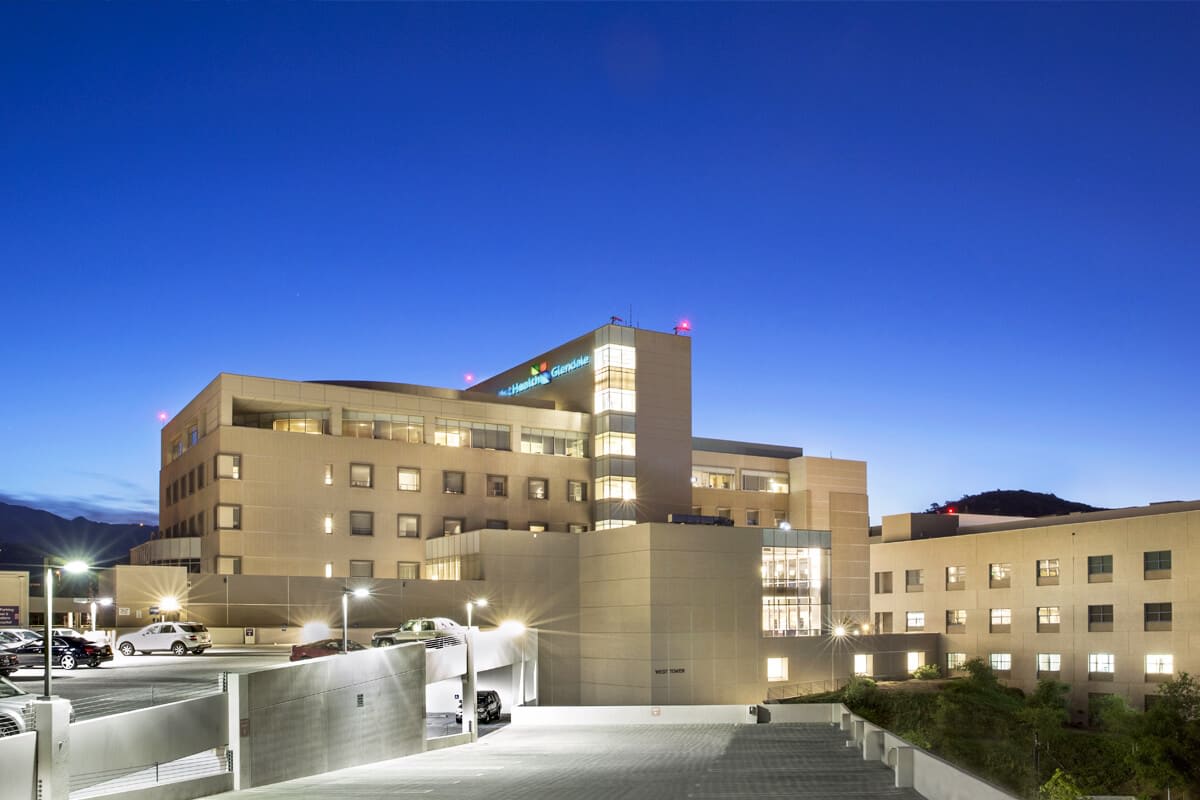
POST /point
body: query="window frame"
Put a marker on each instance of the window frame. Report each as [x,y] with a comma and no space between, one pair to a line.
[370,517]
[462,478]
[411,471]
[370,484]
[416,534]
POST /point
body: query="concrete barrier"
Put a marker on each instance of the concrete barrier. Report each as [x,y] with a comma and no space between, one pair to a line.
[636,715]
[18,766]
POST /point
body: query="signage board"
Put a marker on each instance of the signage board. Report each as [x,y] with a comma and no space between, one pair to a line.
[542,373]
[10,615]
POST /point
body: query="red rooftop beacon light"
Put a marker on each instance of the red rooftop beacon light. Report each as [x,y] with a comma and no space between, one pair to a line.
[683,327]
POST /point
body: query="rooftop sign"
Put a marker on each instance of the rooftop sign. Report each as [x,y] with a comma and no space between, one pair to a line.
[543,373]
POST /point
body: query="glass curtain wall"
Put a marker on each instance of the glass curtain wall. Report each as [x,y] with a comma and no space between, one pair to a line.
[795,581]
[614,470]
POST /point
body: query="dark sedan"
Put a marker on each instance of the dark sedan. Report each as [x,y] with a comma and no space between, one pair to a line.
[323,647]
[8,663]
[69,652]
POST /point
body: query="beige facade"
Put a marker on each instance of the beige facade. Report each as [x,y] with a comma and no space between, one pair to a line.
[1108,602]
[353,479]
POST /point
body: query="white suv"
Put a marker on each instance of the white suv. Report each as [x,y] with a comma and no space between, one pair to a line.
[180,638]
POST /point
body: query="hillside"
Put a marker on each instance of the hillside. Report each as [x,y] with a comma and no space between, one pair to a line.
[1010,503]
[29,534]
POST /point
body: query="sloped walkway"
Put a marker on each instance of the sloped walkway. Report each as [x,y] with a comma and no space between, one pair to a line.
[628,762]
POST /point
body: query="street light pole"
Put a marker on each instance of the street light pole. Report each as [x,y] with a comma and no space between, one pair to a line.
[469,700]
[359,592]
[838,632]
[48,591]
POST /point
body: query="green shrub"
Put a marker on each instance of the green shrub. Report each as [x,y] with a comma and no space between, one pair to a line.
[927,672]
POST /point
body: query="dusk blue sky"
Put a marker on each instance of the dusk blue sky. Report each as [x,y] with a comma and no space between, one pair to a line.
[959,241]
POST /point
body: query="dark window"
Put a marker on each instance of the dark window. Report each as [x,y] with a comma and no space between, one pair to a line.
[1154,560]
[1100,565]
[453,482]
[362,523]
[1100,614]
[1158,612]
[497,524]
[497,486]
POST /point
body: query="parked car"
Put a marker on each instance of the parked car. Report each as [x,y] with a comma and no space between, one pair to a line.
[24,634]
[487,706]
[179,638]
[436,631]
[15,708]
[68,652]
[8,639]
[8,662]
[322,647]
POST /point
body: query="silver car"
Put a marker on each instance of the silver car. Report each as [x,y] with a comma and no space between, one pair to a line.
[15,709]
[179,638]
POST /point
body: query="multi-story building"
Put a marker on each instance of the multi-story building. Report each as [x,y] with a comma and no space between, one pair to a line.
[1104,601]
[265,476]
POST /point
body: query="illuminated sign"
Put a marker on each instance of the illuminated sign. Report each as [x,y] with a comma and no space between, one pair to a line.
[543,373]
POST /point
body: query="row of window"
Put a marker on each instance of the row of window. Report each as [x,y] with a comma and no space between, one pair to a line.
[1155,617]
[1156,565]
[753,480]
[408,526]
[358,568]
[1100,666]
[408,479]
[410,429]
[185,442]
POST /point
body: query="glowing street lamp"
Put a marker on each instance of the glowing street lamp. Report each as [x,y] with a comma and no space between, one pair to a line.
[74,567]
[360,593]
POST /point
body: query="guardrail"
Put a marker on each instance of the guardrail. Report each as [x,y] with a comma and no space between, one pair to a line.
[785,690]
[120,701]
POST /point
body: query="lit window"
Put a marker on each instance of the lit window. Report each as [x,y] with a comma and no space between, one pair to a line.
[955,661]
[1049,615]
[616,444]
[999,574]
[577,491]
[1101,662]
[408,479]
[957,616]
[577,527]
[915,620]
[543,441]
[537,527]
[613,488]
[328,569]
[759,481]
[862,664]
[452,525]
[777,669]
[228,517]
[539,489]
[1047,568]
[713,477]
[228,466]
[1160,665]
[361,475]
[362,523]
[329,523]
[615,355]
[329,474]
[408,526]
[1001,662]
[914,659]
[1049,662]
[956,576]
[615,400]
[1001,616]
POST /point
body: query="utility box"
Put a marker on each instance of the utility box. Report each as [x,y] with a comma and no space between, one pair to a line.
[250,636]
